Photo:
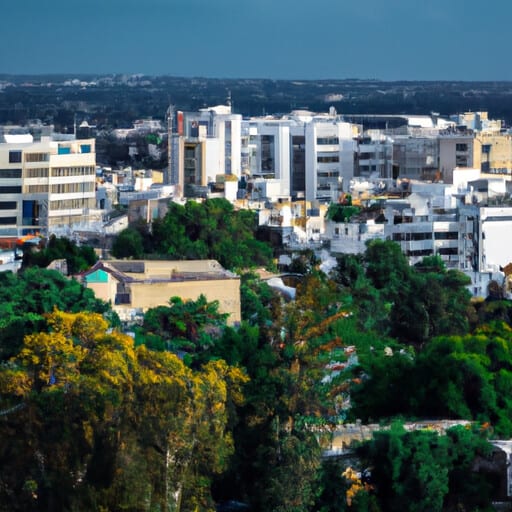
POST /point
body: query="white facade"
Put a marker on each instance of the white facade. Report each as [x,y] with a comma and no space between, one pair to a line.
[329,158]
[443,220]
[311,155]
[218,132]
[270,160]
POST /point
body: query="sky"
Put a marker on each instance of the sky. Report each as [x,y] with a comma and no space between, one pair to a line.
[277,39]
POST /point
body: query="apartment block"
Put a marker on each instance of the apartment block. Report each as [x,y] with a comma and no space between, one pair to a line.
[204,145]
[46,186]
[467,224]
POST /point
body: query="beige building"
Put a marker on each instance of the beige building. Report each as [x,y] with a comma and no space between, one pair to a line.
[134,286]
[493,152]
[455,151]
[46,186]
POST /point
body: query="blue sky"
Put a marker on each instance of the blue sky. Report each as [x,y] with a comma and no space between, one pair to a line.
[289,39]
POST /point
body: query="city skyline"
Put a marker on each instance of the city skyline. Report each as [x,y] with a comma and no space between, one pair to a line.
[391,40]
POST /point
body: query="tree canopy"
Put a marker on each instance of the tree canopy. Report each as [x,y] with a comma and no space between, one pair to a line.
[212,229]
[194,412]
[78,257]
[26,297]
[105,425]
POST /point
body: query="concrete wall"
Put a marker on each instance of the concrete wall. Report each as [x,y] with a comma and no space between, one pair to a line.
[227,292]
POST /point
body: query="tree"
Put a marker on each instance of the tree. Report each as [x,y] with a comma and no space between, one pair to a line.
[424,471]
[186,326]
[90,421]
[27,296]
[211,229]
[78,257]
[128,244]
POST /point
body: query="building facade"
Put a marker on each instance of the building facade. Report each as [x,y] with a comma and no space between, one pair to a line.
[134,286]
[46,186]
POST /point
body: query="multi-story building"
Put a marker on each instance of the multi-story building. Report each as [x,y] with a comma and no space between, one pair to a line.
[416,156]
[374,155]
[46,186]
[204,145]
[455,150]
[493,152]
[467,224]
[311,156]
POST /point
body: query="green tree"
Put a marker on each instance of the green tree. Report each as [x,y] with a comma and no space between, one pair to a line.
[78,257]
[27,296]
[424,471]
[186,326]
[91,422]
[128,244]
[210,229]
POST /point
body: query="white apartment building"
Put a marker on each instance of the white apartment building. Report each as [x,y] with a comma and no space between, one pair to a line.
[455,150]
[310,155]
[329,158]
[46,186]
[269,153]
[456,222]
[375,155]
[204,145]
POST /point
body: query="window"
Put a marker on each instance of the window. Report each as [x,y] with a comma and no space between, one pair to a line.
[15,157]
[328,159]
[446,235]
[8,205]
[73,171]
[10,173]
[64,150]
[461,147]
[10,190]
[328,174]
[37,157]
[66,204]
[37,172]
[85,148]
[7,220]
[448,251]
[267,153]
[36,189]
[323,141]
[70,188]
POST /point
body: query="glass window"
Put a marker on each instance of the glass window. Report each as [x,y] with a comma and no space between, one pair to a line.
[10,190]
[15,157]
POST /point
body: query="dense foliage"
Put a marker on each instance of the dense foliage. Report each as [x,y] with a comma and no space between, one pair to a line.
[422,471]
[98,424]
[195,412]
[26,297]
[212,229]
[78,257]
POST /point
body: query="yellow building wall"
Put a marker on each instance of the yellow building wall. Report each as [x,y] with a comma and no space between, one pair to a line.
[500,156]
[226,291]
[105,291]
